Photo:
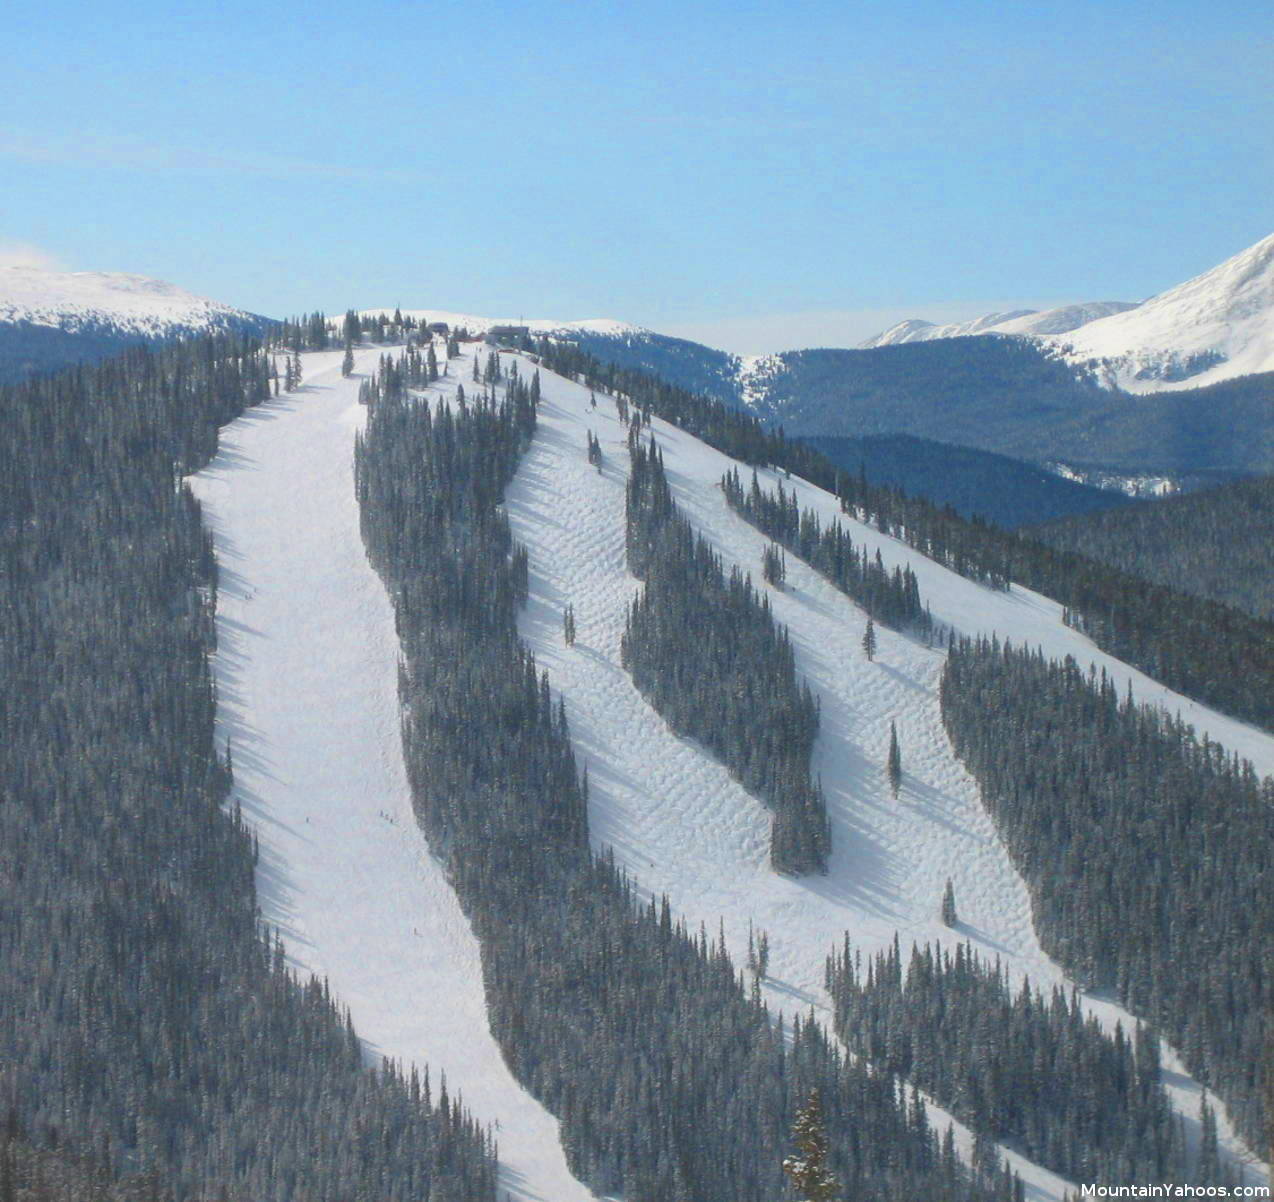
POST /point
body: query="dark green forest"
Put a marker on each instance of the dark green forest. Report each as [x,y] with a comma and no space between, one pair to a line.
[1145,850]
[1018,1067]
[148,1027]
[892,598]
[1217,544]
[1010,493]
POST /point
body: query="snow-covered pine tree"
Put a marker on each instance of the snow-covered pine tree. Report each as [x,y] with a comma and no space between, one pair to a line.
[811,1177]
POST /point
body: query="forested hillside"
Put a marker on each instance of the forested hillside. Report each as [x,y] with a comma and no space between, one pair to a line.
[1217,544]
[1009,492]
[152,1029]
[1005,395]
[669,1080]
[1146,851]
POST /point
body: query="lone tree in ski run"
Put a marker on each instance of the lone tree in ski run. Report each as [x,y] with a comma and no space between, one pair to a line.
[895,761]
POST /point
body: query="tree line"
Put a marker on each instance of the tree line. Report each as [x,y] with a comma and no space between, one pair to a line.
[1016,1066]
[890,598]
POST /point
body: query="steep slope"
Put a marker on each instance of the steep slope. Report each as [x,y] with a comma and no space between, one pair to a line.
[1214,327]
[48,318]
[676,818]
[306,668]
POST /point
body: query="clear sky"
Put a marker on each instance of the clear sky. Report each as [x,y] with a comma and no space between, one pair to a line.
[754,174]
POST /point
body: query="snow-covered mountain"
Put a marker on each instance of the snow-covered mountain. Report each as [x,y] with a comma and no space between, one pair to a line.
[127,304]
[49,318]
[1214,327]
[346,875]
[1017,321]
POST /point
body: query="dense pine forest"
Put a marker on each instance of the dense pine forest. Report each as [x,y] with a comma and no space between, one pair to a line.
[704,650]
[670,1080]
[1146,852]
[892,599]
[1203,649]
[1217,544]
[1016,1066]
[148,1028]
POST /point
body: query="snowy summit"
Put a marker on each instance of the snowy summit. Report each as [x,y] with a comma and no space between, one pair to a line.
[109,302]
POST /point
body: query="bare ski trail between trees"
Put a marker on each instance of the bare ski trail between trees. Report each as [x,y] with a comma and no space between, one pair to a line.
[306,671]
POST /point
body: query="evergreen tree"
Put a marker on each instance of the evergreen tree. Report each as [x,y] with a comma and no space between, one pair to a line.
[347,363]
[773,567]
[812,1178]
[869,640]
[895,760]
[568,625]
[949,905]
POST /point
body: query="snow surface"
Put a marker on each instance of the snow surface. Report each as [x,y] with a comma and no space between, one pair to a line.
[1018,321]
[129,304]
[682,826]
[1227,312]
[306,671]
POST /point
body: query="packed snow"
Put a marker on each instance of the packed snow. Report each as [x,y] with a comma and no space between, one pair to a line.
[306,669]
[1214,327]
[127,304]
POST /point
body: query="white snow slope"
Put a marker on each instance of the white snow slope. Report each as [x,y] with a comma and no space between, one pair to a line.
[306,670]
[1226,314]
[682,826]
[1018,321]
[128,304]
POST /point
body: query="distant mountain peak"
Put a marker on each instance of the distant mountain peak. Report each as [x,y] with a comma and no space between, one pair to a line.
[118,301]
[51,318]
[1213,327]
[1030,322]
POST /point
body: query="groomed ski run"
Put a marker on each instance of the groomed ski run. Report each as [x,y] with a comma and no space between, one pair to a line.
[306,672]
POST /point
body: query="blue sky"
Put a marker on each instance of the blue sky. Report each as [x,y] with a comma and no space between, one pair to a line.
[756,174]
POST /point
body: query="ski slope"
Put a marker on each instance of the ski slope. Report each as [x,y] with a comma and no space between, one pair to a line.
[682,826]
[306,671]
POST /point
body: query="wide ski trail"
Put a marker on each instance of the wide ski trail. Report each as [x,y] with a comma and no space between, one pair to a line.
[306,671]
